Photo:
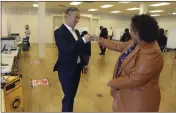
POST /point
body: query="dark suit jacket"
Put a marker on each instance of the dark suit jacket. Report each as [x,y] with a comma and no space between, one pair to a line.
[125,37]
[162,41]
[104,33]
[68,49]
[87,53]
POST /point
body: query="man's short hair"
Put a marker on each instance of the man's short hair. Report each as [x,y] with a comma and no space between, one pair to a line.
[126,30]
[71,9]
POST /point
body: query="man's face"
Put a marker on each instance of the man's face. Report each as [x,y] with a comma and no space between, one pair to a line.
[73,18]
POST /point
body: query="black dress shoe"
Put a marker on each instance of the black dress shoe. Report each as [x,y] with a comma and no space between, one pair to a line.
[101,53]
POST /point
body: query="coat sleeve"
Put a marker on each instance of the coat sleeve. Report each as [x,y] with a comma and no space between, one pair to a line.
[112,45]
[144,71]
[66,47]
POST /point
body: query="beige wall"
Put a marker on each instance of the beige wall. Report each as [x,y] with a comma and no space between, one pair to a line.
[19,21]
[167,22]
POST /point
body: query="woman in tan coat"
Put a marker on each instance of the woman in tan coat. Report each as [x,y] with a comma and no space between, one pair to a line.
[134,85]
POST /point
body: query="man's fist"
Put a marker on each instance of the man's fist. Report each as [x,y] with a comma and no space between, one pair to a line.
[94,38]
[85,70]
[87,37]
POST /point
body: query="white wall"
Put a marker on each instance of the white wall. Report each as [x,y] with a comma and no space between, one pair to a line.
[20,18]
[167,22]
[19,21]
[170,25]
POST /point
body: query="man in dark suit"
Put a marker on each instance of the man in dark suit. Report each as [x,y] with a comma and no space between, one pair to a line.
[70,62]
[87,53]
[103,34]
[126,36]
[162,39]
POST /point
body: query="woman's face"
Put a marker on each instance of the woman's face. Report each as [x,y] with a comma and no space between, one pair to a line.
[134,35]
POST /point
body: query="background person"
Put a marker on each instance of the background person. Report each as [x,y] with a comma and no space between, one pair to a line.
[103,34]
[126,36]
[27,33]
[86,53]
[162,39]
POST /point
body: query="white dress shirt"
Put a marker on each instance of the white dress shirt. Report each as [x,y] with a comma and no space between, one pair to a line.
[72,31]
[110,32]
[28,32]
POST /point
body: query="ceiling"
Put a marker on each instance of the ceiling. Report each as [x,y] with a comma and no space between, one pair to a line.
[61,6]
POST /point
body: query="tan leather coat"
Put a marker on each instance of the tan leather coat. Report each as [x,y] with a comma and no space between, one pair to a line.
[136,89]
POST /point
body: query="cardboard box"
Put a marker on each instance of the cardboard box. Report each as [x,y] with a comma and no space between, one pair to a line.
[13,95]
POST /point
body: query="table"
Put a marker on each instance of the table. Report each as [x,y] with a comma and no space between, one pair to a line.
[19,42]
[7,60]
[13,53]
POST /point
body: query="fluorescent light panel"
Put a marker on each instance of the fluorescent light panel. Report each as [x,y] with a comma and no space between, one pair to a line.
[159,4]
[35,5]
[130,9]
[156,11]
[174,13]
[92,9]
[124,2]
[106,6]
[155,15]
[115,11]
[75,3]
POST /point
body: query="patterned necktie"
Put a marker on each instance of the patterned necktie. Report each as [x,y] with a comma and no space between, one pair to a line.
[123,57]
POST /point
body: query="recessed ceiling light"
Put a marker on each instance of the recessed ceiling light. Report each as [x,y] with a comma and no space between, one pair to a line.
[115,11]
[35,5]
[159,4]
[130,9]
[75,3]
[92,9]
[155,15]
[174,13]
[156,11]
[124,2]
[106,6]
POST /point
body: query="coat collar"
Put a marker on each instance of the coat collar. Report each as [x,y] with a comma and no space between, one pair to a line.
[134,52]
[130,56]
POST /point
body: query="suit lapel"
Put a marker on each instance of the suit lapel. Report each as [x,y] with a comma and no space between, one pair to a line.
[77,34]
[129,57]
[69,33]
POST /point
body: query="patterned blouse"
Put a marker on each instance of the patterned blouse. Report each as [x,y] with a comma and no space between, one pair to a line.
[123,57]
